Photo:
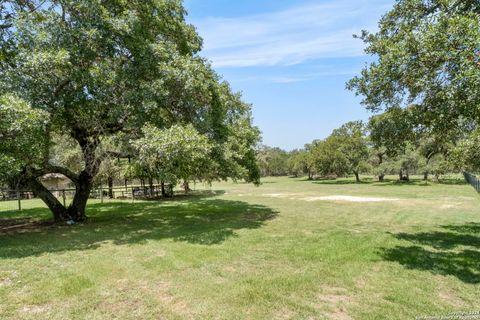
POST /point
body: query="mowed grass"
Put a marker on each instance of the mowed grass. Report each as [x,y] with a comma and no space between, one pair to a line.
[241,252]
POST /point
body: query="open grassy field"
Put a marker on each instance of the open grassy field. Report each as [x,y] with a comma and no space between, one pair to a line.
[289,249]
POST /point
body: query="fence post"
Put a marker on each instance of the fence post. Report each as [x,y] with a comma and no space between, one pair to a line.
[19,201]
[133,196]
[101,193]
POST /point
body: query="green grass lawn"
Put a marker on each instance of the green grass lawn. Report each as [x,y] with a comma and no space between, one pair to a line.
[279,251]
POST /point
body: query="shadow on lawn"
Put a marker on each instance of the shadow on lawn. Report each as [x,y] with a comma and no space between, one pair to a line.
[341,182]
[454,251]
[196,221]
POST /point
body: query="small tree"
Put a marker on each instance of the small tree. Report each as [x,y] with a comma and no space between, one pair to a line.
[329,158]
[352,142]
[466,155]
[272,161]
[389,135]
[410,162]
[179,153]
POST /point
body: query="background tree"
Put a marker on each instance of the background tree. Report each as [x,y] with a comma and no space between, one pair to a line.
[389,134]
[466,155]
[410,161]
[329,158]
[179,153]
[439,165]
[352,143]
[272,161]
[308,160]
[434,150]
[293,165]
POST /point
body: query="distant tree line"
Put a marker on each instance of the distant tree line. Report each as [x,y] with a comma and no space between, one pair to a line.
[389,143]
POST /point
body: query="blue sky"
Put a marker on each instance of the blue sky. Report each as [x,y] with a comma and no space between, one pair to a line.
[290,59]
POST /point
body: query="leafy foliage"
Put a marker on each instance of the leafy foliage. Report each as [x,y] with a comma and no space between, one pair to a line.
[428,55]
[177,153]
[23,138]
[466,155]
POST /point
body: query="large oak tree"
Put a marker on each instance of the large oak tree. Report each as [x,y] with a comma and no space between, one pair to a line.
[93,69]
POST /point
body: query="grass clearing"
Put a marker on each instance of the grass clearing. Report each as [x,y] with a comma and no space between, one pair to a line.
[241,253]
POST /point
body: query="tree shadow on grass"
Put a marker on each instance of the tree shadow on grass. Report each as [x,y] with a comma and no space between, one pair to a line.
[340,182]
[195,221]
[452,181]
[454,251]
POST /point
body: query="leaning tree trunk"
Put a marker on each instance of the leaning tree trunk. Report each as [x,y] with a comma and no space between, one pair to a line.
[83,181]
[56,207]
[357,176]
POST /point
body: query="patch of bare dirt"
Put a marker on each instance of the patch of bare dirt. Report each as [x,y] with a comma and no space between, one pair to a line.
[7,278]
[451,299]
[34,309]
[132,297]
[279,195]
[283,314]
[336,300]
[447,206]
[349,199]
[340,198]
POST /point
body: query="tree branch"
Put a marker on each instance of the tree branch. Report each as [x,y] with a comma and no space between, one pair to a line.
[65,171]
[60,87]
[37,173]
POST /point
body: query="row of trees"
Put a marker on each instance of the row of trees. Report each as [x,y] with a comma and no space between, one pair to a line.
[84,83]
[390,143]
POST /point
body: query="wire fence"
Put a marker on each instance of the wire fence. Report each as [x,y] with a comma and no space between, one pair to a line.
[473,180]
[17,200]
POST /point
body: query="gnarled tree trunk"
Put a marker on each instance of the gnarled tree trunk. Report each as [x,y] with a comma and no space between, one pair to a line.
[83,182]
[76,210]
[56,207]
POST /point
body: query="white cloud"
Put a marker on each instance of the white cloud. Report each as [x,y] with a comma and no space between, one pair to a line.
[292,36]
[288,78]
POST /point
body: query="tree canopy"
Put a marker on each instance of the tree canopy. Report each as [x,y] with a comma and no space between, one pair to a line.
[427,55]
